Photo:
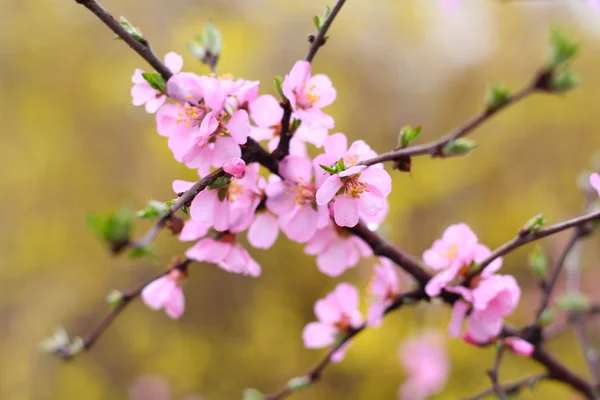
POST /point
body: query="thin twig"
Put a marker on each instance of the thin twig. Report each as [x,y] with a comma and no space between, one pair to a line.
[127,297]
[523,239]
[319,40]
[493,373]
[142,47]
[314,374]
[435,148]
[511,388]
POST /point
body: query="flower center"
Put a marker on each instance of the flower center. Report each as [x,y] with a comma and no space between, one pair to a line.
[451,252]
[307,96]
[300,192]
[351,159]
[191,115]
[343,325]
[354,188]
[234,191]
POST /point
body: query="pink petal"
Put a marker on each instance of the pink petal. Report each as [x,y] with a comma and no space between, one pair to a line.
[175,304]
[153,104]
[296,168]
[313,135]
[328,310]
[340,353]
[265,111]
[297,77]
[347,296]
[595,182]
[370,205]
[520,346]
[330,261]
[317,335]
[379,178]
[324,89]
[155,294]
[336,145]
[174,62]
[142,92]
[180,186]
[300,225]
[239,126]
[263,231]
[185,87]
[225,148]
[345,210]
[221,215]
[328,190]
[459,312]
[213,93]
[203,207]
[209,250]
[193,230]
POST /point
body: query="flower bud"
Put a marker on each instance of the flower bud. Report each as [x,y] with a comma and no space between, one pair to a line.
[235,167]
[519,346]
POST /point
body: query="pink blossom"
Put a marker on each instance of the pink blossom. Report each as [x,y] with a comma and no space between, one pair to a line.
[384,289]
[264,230]
[358,192]
[453,255]
[200,134]
[226,253]
[337,316]
[230,208]
[307,95]
[425,359]
[166,293]
[336,249]
[143,93]
[293,199]
[494,298]
[594,5]
[235,167]
[519,346]
[595,182]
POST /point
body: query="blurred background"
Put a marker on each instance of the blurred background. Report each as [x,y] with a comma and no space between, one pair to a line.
[72,143]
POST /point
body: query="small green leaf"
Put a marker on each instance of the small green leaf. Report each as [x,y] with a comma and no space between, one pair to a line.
[564,80]
[407,135]
[535,223]
[156,81]
[497,96]
[299,383]
[278,81]
[562,49]
[546,317]
[197,50]
[573,302]
[58,340]
[458,147]
[328,169]
[114,228]
[220,182]
[320,20]
[253,394]
[154,209]
[212,40]
[143,251]
[223,193]
[132,30]
[114,298]
[340,165]
[295,124]
[538,262]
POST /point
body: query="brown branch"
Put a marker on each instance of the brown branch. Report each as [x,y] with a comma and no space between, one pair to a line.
[527,237]
[127,297]
[314,374]
[142,47]
[493,374]
[511,388]
[319,40]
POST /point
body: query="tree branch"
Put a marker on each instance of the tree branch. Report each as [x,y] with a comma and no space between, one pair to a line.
[127,297]
[493,374]
[435,148]
[314,374]
[142,47]
[511,388]
[319,40]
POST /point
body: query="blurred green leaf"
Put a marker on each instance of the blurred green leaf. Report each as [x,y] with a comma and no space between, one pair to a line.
[564,80]
[156,81]
[320,20]
[253,394]
[546,317]
[220,182]
[132,30]
[299,383]
[278,81]
[143,251]
[407,135]
[154,209]
[538,262]
[573,302]
[59,339]
[535,223]
[497,96]
[458,147]
[113,298]
[114,228]
[562,49]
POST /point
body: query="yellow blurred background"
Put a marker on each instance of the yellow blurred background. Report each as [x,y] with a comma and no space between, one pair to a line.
[72,142]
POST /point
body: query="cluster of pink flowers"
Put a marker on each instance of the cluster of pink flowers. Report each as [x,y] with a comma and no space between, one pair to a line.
[206,123]
[490,296]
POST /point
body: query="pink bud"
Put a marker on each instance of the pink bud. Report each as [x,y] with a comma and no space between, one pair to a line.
[519,346]
[236,167]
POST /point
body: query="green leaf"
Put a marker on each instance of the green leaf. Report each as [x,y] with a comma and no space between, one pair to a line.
[295,124]
[298,383]
[212,40]
[114,228]
[220,182]
[154,209]
[143,251]
[340,165]
[328,169]
[278,81]
[546,317]
[58,340]
[497,96]
[132,30]
[564,80]
[535,223]
[320,20]
[156,81]
[114,298]
[562,49]
[223,193]
[197,50]
[253,394]
[458,147]
[407,135]
[573,302]
[538,262]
